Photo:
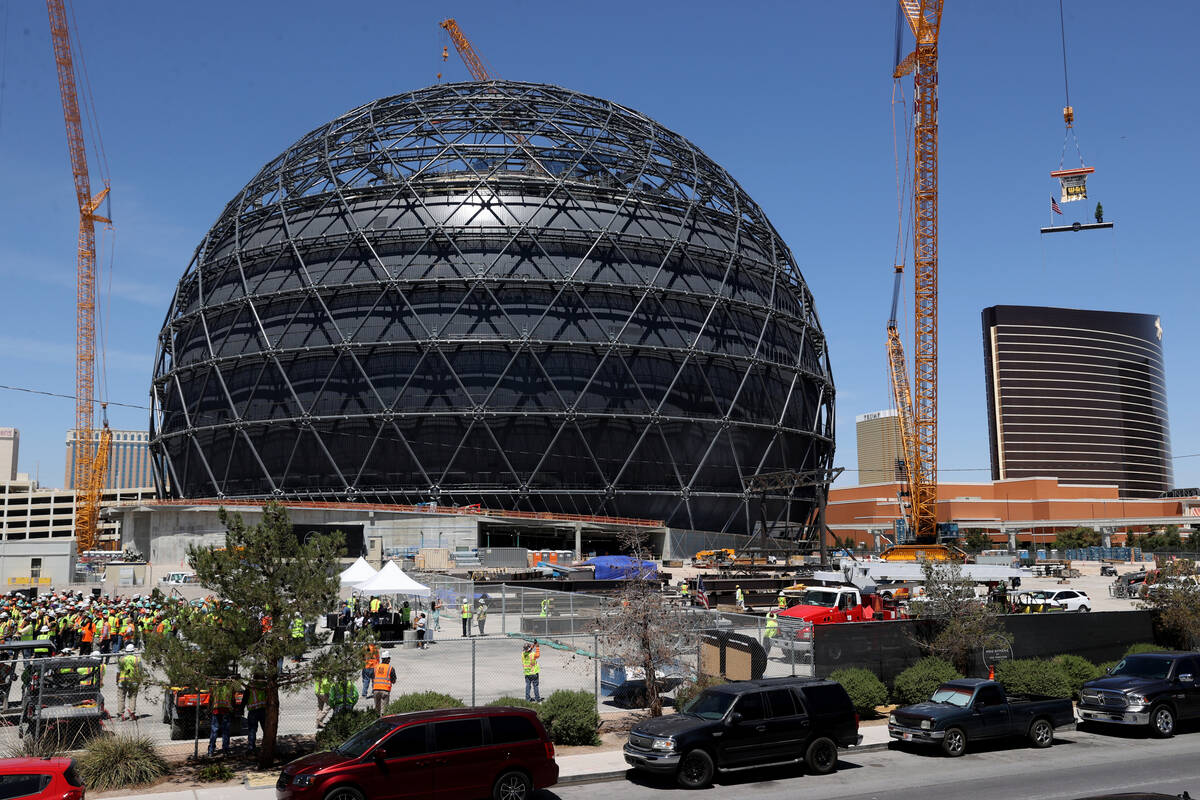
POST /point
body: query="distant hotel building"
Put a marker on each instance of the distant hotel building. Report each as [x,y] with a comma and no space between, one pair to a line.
[880,451]
[128,462]
[1079,396]
[10,443]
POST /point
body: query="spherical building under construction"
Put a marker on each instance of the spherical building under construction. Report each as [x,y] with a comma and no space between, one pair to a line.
[499,293]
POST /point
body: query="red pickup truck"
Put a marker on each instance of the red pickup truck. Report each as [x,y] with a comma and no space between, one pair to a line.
[822,605]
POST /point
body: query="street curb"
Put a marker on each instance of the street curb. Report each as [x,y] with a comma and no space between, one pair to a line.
[616,775]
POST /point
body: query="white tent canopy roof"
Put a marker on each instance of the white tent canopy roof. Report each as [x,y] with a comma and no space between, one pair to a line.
[357,572]
[392,580]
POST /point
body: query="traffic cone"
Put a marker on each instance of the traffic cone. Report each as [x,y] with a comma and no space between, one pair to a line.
[991,673]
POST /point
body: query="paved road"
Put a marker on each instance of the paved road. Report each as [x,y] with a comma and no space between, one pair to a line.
[1080,764]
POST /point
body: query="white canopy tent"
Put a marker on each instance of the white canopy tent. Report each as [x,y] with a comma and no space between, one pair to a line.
[357,572]
[392,580]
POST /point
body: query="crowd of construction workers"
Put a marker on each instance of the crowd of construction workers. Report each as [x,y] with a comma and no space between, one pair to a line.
[84,624]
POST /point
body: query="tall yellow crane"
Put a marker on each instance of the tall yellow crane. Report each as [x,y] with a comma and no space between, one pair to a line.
[474,63]
[91,466]
[924,18]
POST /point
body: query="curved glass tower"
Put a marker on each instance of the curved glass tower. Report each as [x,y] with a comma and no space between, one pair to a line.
[500,293]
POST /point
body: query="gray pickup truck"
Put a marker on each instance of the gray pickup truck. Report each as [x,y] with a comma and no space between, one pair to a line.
[971,709]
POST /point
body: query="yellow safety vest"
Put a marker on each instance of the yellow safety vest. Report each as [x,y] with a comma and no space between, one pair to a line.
[529,662]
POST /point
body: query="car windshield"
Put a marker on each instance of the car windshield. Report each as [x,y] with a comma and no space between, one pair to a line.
[820,597]
[361,742]
[1143,667]
[954,695]
[709,705]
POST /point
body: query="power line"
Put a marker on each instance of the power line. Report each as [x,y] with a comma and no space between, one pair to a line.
[70,396]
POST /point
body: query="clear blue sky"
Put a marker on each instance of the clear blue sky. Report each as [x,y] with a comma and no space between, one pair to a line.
[792,98]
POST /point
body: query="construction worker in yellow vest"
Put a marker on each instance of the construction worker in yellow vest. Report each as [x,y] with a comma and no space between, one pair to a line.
[739,597]
[781,602]
[683,591]
[321,688]
[466,617]
[220,699]
[375,605]
[129,680]
[772,630]
[384,678]
[256,708]
[545,607]
[532,669]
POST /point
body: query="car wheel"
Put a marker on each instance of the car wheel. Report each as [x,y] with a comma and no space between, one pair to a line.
[1083,608]
[695,770]
[821,756]
[1162,722]
[954,744]
[344,793]
[1041,733]
[512,785]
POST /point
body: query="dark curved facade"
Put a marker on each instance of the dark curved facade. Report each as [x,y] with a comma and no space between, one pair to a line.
[499,293]
[1077,395]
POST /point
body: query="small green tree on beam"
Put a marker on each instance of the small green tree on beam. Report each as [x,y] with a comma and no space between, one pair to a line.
[263,577]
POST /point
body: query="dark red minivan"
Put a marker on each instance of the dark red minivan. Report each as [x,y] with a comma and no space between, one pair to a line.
[465,753]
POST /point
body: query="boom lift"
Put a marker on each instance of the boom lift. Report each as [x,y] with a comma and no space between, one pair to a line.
[91,466]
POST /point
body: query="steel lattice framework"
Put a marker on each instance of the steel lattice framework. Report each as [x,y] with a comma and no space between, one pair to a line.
[500,293]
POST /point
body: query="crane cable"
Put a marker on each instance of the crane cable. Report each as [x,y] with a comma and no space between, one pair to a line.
[1069,133]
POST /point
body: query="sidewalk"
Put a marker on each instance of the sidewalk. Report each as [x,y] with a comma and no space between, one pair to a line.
[610,765]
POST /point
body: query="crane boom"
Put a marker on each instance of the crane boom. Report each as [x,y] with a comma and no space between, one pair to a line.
[88,485]
[474,63]
[902,396]
[924,19]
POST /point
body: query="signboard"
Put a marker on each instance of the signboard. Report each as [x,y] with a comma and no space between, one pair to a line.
[28,581]
[352,536]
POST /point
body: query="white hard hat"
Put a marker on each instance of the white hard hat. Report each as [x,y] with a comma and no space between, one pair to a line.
[129,647]
[386,654]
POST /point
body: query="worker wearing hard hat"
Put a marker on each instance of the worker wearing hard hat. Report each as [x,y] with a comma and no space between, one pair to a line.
[383,679]
[739,597]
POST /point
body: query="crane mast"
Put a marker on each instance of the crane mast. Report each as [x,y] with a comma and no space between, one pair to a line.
[90,465]
[924,19]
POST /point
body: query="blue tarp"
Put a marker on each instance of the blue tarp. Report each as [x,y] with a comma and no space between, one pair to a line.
[613,568]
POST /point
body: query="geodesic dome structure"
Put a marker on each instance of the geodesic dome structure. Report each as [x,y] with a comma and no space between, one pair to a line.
[500,293]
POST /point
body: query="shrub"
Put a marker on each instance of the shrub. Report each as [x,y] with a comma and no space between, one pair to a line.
[916,684]
[214,773]
[118,762]
[515,702]
[1078,670]
[30,746]
[1033,676]
[1146,647]
[571,718]
[342,725]
[687,691]
[422,701]
[865,689]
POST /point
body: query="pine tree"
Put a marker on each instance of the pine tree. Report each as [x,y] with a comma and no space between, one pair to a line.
[1099,212]
[263,578]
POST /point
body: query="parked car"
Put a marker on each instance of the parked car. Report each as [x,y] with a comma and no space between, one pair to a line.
[747,724]
[468,753]
[40,779]
[1066,599]
[1150,689]
[966,710]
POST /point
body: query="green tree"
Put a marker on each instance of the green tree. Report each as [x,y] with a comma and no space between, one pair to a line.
[263,577]
[1099,212]
[976,539]
[1175,597]
[1076,538]
[962,624]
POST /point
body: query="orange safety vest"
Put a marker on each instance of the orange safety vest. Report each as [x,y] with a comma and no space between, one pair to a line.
[383,678]
[89,631]
[372,657]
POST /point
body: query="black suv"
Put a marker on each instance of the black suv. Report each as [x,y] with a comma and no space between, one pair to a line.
[745,725]
[1153,689]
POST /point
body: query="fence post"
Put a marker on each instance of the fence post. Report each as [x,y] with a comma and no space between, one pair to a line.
[473,671]
[196,726]
[596,667]
[503,608]
[572,610]
[795,644]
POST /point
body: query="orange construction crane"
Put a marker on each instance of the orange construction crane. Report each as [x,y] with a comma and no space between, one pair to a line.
[474,63]
[924,18]
[91,465]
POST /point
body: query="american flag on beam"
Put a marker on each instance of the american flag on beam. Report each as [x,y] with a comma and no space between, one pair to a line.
[700,593]
[1054,206]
